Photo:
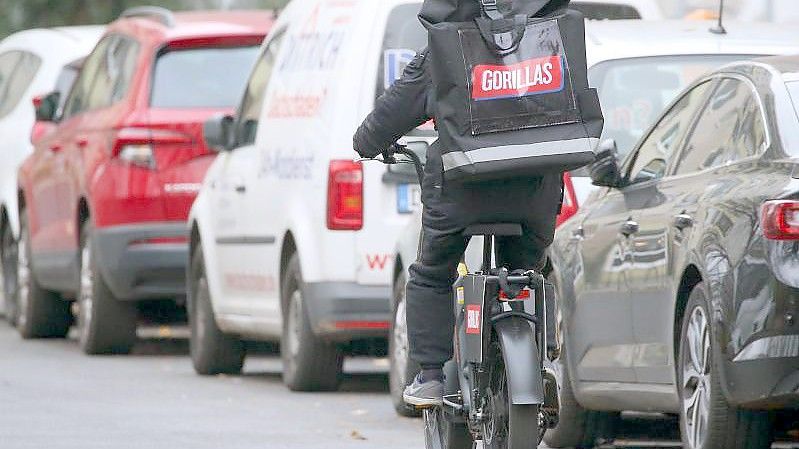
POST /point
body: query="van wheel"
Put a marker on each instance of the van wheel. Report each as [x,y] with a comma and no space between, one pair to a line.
[309,363]
[8,250]
[401,369]
[106,324]
[40,313]
[707,421]
[578,427]
[212,352]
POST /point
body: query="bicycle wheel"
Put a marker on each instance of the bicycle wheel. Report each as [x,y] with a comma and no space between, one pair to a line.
[440,433]
[508,425]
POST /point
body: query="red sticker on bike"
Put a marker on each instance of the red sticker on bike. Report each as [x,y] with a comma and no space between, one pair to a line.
[531,77]
[473,319]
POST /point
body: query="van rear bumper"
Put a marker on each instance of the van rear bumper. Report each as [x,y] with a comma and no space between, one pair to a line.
[343,311]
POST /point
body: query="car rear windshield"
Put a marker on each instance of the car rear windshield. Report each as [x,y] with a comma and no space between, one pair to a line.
[404,37]
[793,90]
[634,92]
[201,77]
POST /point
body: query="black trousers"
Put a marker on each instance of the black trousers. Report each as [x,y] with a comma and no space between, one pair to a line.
[448,210]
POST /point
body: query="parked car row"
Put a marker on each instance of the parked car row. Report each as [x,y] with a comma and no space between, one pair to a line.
[206,159]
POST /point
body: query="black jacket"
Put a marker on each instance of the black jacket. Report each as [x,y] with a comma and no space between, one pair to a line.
[402,107]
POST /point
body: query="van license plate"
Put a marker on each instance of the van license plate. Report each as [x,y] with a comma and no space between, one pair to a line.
[409,198]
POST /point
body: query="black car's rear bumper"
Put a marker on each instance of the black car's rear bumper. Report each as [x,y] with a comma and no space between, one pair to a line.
[766,382]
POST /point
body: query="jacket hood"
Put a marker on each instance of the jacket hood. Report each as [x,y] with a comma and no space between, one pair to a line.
[436,11]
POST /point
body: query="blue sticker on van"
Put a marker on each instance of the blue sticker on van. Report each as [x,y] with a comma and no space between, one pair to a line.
[394,62]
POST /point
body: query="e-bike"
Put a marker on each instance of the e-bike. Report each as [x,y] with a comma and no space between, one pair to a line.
[496,387]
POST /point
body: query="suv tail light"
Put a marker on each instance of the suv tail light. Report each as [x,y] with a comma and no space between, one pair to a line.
[569,207]
[345,196]
[135,146]
[780,219]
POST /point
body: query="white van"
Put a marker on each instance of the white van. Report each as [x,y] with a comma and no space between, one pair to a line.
[291,239]
[32,62]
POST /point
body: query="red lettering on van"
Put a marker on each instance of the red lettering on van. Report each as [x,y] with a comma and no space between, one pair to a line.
[377,261]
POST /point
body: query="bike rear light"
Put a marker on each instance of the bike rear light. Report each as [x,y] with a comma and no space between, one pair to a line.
[569,207]
[345,196]
[780,219]
[524,294]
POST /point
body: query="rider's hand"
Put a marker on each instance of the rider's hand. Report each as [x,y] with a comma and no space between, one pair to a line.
[365,149]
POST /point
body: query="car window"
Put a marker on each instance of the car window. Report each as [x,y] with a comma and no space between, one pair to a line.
[78,96]
[606,11]
[114,73]
[17,70]
[635,91]
[404,36]
[656,151]
[250,110]
[793,90]
[201,77]
[66,79]
[730,128]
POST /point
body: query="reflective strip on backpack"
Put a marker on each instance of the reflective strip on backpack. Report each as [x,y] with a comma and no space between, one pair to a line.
[457,159]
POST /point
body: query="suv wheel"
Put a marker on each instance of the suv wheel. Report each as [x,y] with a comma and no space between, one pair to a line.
[309,363]
[8,250]
[106,324]
[707,421]
[401,368]
[578,427]
[40,313]
[212,352]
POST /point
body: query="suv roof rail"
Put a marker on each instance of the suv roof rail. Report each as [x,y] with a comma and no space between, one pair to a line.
[163,15]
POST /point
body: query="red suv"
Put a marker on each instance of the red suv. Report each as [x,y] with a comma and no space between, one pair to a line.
[105,195]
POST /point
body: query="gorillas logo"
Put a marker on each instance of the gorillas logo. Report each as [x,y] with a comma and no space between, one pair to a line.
[530,77]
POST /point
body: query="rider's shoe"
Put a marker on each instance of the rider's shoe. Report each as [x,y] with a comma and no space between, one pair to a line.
[424,392]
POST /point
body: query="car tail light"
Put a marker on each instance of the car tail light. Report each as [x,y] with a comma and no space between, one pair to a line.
[780,219]
[569,207]
[135,146]
[345,196]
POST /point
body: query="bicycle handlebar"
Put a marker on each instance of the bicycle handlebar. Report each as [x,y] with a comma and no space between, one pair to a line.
[390,152]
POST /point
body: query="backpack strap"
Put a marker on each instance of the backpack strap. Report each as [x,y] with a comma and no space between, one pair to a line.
[502,35]
[490,9]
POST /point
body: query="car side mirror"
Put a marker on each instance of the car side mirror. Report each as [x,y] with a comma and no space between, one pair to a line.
[218,132]
[46,106]
[605,171]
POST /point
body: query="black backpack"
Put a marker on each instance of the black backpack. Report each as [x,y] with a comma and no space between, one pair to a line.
[511,88]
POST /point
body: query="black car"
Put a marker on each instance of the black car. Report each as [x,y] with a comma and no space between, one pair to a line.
[678,280]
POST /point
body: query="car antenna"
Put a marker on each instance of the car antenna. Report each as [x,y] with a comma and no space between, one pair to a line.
[719,28]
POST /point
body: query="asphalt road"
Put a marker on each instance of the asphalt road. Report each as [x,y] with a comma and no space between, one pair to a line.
[54,397]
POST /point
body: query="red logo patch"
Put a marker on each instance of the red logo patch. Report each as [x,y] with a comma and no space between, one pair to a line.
[531,77]
[473,319]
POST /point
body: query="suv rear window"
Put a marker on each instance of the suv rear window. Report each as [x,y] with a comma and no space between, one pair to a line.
[201,77]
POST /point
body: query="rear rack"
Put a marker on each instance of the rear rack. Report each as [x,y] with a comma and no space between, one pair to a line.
[157,13]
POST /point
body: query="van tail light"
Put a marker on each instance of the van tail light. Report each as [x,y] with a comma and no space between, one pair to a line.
[135,146]
[569,207]
[345,196]
[780,219]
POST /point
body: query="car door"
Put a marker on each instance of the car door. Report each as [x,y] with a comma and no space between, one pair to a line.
[242,245]
[697,178]
[651,268]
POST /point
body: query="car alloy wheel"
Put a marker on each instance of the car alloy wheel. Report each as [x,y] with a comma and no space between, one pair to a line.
[86,294]
[23,279]
[696,381]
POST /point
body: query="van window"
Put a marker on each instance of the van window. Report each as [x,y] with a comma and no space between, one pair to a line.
[201,77]
[404,36]
[249,113]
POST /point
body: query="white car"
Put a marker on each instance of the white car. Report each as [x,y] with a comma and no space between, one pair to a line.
[292,240]
[32,62]
[638,68]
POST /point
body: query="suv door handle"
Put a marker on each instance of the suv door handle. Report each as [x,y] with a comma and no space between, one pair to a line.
[683,220]
[630,227]
[55,148]
[578,233]
[241,188]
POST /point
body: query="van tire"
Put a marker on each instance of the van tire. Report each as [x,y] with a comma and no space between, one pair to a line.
[41,313]
[8,251]
[309,363]
[106,324]
[401,372]
[578,427]
[212,351]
